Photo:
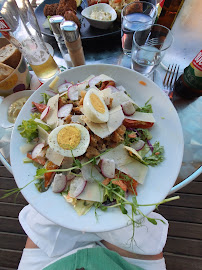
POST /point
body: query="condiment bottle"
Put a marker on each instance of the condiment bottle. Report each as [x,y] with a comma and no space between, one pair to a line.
[169,12]
[189,84]
[72,39]
[55,22]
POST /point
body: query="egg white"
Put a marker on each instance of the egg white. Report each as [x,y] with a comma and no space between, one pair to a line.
[90,112]
[76,152]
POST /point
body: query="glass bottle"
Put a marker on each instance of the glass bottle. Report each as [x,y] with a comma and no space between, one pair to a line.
[189,84]
[19,25]
[169,12]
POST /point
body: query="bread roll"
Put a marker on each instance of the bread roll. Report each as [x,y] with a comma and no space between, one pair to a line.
[5,71]
[10,55]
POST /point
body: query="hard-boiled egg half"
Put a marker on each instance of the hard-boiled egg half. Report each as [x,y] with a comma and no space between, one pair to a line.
[68,140]
[94,107]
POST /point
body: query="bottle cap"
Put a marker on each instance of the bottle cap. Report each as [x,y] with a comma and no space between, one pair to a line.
[69,30]
[55,22]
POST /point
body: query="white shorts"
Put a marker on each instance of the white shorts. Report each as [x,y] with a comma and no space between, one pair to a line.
[55,241]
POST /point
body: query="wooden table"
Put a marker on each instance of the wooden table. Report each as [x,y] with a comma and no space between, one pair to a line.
[184,246]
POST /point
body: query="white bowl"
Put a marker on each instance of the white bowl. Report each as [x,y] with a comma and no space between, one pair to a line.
[4,123]
[97,23]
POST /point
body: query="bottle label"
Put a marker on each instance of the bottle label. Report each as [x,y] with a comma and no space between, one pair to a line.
[197,62]
[193,73]
[3,25]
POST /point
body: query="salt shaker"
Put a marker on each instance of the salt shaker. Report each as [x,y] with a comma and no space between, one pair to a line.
[55,22]
[72,39]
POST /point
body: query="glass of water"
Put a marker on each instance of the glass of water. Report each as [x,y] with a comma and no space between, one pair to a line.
[135,16]
[149,47]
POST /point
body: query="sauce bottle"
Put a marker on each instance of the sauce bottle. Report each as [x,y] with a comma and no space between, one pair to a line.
[189,84]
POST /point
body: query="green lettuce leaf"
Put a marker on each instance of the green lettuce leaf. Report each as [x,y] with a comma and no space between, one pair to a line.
[28,128]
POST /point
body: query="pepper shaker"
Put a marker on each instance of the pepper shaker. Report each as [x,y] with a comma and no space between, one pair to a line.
[72,39]
[55,22]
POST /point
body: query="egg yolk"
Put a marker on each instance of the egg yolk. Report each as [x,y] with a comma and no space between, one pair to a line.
[69,137]
[97,103]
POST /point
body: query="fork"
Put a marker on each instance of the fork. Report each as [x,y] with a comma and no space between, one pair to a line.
[170,78]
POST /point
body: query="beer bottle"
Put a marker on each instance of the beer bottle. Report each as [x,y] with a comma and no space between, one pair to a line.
[189,84]
[169,12]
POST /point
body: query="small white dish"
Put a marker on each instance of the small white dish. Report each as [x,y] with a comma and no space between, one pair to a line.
[4,123]
[97,23]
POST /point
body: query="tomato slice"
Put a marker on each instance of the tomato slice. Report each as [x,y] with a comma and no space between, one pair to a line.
[40,107]
[128,123]
[119,183]
[132,186]
[39,160]
[49,175]
[106,84]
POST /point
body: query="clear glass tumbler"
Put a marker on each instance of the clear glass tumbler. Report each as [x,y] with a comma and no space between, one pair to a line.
[22,29]
[149,47]
[135,16]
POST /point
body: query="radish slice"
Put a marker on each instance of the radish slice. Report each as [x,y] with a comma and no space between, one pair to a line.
[37,150]
[45,112]
[138,145]
[95,80]
[59,183]
[128,108]
[63,87]
[65,110]
[82,86]
[77,186]
[108,167]
[73,92]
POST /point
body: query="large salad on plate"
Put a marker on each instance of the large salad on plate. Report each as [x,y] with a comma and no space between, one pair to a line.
[109,165]
[90,142]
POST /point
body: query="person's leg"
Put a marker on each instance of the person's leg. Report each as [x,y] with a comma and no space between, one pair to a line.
[33,258]
[30,244]
[128,254]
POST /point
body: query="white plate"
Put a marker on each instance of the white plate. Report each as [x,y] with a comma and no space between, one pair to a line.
[159,180]
[6,104]
[99,7]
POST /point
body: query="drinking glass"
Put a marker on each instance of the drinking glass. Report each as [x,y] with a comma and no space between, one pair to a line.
[149,47]
[135,16]
[20,26]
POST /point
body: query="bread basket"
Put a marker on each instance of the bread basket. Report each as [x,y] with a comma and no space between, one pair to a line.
[18,80]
